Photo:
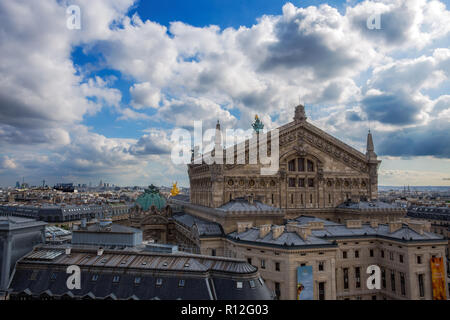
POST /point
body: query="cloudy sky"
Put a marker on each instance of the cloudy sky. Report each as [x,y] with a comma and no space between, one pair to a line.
[101,102]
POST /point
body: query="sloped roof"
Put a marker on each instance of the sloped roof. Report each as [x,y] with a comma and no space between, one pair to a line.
[242,204]
[204,227]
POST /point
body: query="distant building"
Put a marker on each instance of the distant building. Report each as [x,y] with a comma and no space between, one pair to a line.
[64,213]
[106,234]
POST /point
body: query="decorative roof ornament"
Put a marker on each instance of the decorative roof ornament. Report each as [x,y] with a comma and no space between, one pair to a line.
[300,114]
[151,197]
[257,125]
[174,190]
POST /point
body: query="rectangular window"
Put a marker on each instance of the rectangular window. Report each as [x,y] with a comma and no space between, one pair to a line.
[292,182]
[291,165]
[301,182]
[345,278]
[391,255]
[263,264]
[239,284]
[249,260]
[252,283]
[116,279]
[419,259]
[356,254]
[277,291]
[402,284]
[277,266]
[292,198]
[310,198]
[159,282]
[321,290]
[344,254]
[321,266]
[371,252]
[213,252]
[137,280]
[382,253]
[401,258]
[181,283]
[301,164]
[383,278]
[421,286]
[311,183]
[358,277]
[393,281]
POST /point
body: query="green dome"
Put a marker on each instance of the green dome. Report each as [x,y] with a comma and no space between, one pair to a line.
[151,197]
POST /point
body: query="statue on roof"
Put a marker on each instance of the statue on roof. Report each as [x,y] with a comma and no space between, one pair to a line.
[257,125]
[174,190]
[300,114]
[152,189]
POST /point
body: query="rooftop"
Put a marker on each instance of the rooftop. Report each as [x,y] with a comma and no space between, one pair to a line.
[204,227]
[243,204]
[323,233]
[366,205]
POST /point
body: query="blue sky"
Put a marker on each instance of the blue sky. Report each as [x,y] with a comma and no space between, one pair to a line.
[101,102]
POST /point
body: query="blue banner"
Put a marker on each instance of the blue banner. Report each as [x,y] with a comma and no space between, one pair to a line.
[305,283]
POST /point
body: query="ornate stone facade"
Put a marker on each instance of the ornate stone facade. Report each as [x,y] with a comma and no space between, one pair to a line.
[316,171]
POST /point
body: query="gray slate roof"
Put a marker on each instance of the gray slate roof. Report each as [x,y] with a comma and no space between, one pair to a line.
[205,228]
[330,232]
[365,205]
[241,204]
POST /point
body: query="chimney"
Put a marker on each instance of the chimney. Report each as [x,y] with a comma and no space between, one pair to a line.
[277,231]
[417,226]
[316,225]
[264,230]
[302,231]
[353,224]
[243,226]
[394,226]
[374,223]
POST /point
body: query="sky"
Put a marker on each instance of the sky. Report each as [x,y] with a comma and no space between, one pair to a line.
[101,102]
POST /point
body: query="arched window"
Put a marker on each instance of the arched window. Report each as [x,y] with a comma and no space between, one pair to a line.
[301,164]
[310,166]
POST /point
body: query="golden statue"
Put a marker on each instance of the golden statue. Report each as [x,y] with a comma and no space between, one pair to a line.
[174,190]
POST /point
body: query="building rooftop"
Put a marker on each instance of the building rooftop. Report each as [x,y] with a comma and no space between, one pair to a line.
[112,228]
[323,233]
[138,275]
[243,204]
[11,222]
[366,205]
[204,227]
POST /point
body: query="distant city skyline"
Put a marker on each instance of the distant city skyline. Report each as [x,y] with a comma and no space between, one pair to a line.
[101,102]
